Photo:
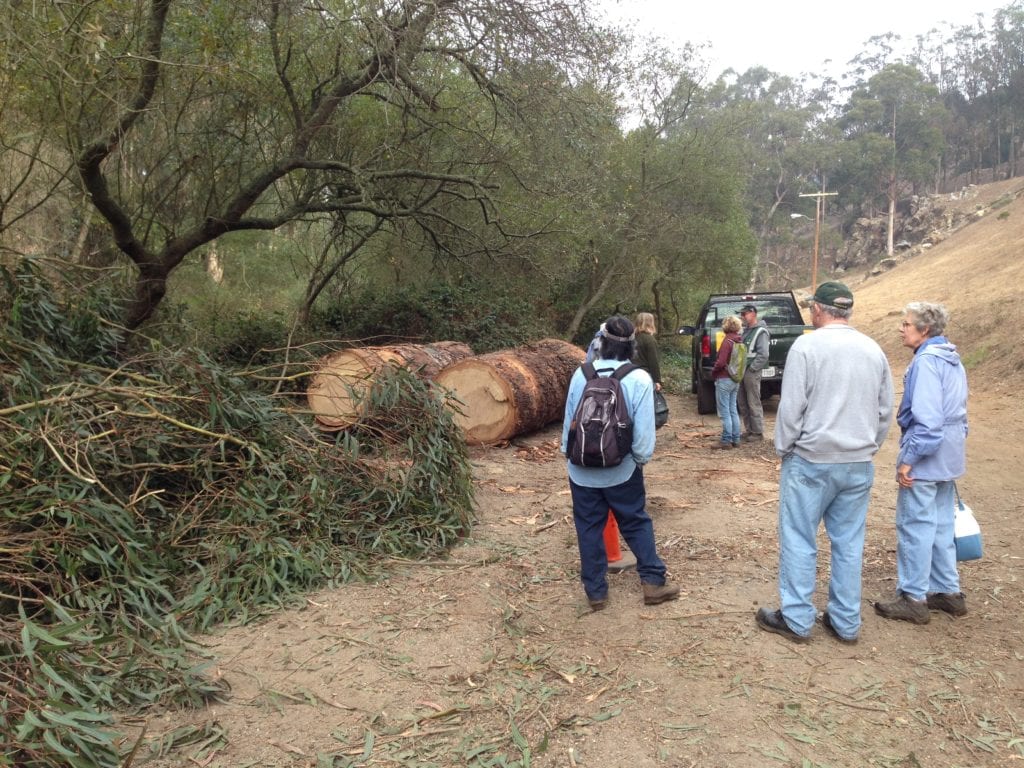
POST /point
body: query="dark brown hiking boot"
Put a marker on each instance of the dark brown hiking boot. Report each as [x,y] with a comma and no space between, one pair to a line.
[598,604]
[953,603]
[653,594]
[904,609]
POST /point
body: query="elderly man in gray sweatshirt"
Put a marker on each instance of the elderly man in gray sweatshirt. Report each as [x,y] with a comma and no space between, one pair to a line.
[833,416]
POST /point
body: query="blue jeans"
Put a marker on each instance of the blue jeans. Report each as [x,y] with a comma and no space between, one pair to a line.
[838,495]
[925,553]
[726,391]
[627,501]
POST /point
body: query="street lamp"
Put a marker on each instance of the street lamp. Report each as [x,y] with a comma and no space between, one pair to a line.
[817,231]
[818,207]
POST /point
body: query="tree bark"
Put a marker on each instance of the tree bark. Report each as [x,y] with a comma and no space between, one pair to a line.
[509,393]
[337,389]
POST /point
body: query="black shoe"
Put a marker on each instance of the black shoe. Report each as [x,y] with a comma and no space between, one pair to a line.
[826,622]
[772,621]
[953,603]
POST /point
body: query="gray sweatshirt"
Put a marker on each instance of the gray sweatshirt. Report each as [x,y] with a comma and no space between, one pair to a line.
[837,397]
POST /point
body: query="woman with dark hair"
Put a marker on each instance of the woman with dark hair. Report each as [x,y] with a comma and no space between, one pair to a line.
[933,423]
[620,488]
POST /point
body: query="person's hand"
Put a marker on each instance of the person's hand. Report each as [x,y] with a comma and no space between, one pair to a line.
[657,386]
[903,476]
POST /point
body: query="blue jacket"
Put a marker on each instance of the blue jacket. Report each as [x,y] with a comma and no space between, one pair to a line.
[933,413]
[638,388]
[594,348]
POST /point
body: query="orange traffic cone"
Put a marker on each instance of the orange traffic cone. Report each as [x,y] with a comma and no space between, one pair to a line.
[617,562]
[611,539]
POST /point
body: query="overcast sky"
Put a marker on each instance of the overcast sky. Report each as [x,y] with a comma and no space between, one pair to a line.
[792,36]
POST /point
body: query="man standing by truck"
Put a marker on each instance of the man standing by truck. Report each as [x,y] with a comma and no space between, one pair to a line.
[756,337]
[834,414]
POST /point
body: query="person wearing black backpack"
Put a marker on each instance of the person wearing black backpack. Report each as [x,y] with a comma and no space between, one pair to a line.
[606,451]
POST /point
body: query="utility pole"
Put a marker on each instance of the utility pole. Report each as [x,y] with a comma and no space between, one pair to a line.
[819,209]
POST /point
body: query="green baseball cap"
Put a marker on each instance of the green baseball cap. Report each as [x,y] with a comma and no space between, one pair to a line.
[834,294]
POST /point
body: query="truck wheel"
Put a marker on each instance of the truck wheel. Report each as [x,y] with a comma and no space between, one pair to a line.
[706,398]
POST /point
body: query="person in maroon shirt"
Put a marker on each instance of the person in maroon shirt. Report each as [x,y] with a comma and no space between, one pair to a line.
[727,390]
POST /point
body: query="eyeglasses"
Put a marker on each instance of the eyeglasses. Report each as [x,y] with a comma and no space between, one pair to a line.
[906,324]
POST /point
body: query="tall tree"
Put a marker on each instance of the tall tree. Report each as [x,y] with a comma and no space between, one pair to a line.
[1007,64]
[893,126]
[188,119]
[669,214]
[781,128]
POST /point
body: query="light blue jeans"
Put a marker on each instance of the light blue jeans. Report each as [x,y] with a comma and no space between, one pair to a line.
[925,553]
[837,494]
[726,391]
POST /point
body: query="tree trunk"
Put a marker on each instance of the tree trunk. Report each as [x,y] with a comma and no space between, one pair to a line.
[343,378]
[511,392]
[213,265]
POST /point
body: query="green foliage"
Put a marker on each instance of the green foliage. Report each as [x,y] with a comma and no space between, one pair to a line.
[472,312]
[249,313]
[675,364]
[79,330]
[142,502]
[893,124]
[249,338]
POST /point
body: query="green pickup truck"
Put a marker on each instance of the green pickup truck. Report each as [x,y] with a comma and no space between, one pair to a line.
[780,313]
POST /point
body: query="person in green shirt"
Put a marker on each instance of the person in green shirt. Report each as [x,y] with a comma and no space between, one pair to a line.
[646,357]
[647,347]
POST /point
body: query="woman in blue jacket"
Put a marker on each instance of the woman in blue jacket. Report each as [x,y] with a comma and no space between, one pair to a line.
[933,420]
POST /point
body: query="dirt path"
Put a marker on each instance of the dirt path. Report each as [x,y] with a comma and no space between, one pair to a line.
[491,657]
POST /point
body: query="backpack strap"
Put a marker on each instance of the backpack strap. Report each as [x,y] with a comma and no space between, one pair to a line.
[624,370]
[590,372]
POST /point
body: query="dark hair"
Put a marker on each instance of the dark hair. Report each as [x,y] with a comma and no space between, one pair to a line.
[611,349]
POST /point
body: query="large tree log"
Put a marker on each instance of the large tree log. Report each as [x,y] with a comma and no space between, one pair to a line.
[507,393]
[343,377]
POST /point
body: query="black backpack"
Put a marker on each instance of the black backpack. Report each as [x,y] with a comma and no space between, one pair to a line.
[601,431]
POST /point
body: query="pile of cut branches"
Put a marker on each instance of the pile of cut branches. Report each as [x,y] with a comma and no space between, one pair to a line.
[148,496]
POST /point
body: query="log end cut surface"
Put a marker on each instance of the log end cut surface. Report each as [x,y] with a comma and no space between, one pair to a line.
[487,400]
[330,393]
[511,392]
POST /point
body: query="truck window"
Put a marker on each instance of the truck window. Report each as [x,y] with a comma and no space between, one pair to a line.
[781,313]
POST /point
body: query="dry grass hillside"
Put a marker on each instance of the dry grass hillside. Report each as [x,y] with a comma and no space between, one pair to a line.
[977,272]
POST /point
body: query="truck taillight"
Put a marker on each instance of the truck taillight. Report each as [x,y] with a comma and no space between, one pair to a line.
[705,345]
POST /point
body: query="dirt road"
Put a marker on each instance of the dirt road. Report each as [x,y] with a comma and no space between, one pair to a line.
[491,658]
